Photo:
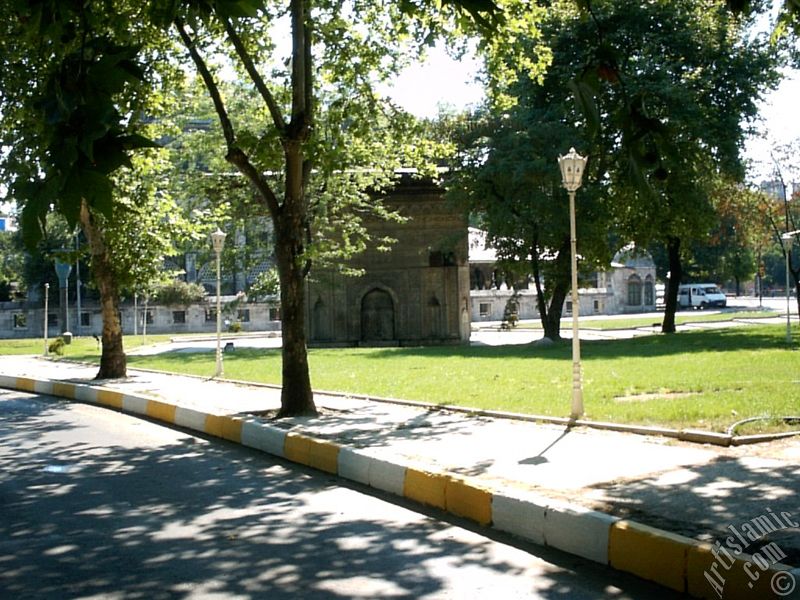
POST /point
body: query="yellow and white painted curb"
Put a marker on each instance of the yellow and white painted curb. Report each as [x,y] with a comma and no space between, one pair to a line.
[674,561]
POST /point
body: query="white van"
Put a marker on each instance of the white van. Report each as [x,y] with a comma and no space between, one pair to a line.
[700,295]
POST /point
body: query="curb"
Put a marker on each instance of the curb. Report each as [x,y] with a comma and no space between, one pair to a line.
[673,561]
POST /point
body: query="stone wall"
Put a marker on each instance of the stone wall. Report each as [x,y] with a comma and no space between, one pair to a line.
[417,293]
[19,321]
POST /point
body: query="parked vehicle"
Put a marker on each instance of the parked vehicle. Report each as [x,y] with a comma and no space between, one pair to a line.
[701,295]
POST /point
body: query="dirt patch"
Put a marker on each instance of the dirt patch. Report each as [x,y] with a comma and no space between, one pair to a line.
[653,396]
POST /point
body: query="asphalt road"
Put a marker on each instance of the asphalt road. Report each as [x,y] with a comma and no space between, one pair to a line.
[96,504]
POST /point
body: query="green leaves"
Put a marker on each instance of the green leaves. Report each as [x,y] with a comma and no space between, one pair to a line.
[82,137]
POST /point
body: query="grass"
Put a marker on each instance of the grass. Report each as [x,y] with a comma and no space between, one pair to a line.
[680,319]
[80,347]
[705,379]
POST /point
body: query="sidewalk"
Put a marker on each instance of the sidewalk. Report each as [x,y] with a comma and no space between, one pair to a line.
[646,505]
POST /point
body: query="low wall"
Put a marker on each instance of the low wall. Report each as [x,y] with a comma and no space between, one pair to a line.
[20,321]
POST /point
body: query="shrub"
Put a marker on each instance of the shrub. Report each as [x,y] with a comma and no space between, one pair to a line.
[179,293]
[57,346]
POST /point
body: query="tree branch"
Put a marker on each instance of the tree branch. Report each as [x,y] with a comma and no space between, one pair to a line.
[208,80]
[235,155]
[301,72]
[250,67]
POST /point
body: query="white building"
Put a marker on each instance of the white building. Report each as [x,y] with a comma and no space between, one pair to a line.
[627,286]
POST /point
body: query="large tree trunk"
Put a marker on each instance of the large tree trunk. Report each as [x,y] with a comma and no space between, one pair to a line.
[296,395]
[292,226]
[113,363]
[289,216]
[673,283]
[796,276]
[550,315]
[553,325]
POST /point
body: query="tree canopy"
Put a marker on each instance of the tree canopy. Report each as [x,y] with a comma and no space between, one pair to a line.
[663,94]
[318,140]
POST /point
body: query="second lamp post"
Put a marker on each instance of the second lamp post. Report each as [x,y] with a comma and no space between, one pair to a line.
[218,241]
[572,166]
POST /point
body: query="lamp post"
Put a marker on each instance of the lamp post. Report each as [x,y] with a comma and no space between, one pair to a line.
[78,284]
[572,166]
[218,241]
[46,308]
[63,269]
[786,240]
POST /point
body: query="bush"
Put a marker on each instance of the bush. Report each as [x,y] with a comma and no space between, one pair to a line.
[266,284]
[179,293]
[57,346]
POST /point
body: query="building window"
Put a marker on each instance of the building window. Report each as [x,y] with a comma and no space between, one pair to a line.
[20,321]
[485,309]
[148,316]
[275,314]
[211,315]
[86,319]
[568,309]
[179,317]
[634,291]
[649,292]
[598,306]
[437,258]
[244,315]
[52,319]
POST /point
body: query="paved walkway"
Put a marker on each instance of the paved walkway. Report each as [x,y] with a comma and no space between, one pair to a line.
[694,490]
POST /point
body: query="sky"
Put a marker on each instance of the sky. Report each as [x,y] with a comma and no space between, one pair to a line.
[421,88]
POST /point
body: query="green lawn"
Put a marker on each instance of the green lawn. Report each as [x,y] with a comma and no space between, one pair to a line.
[680,319]
[81,346]
[702,379]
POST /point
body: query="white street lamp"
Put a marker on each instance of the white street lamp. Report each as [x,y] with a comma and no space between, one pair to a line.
[218,241]
[78,284]
[46,308]
[572,166]
[63,269]
[786,240]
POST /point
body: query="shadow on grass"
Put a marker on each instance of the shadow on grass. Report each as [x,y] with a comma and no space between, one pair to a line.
[720,340]
[716,341]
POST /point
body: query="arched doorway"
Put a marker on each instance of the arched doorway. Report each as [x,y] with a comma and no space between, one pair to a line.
[377,317]
[634,291]
[320,322]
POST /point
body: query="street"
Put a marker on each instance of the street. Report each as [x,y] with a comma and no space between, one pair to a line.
[98,504]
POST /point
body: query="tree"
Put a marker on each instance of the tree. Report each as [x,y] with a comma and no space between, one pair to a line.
[506,174]
[310,172]
[338,52]
[733,246]
[783,216]
[676,102]
[71,104]
[12,262]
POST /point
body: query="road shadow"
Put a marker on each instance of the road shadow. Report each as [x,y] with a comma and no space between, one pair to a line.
[706,501]
[195,517]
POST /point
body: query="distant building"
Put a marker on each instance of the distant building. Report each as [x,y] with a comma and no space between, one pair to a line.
[775,188]
[627,286]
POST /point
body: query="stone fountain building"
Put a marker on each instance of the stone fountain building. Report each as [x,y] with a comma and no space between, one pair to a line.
[417,293]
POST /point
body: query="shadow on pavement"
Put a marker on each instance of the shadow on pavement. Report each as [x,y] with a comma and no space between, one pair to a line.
[198,518]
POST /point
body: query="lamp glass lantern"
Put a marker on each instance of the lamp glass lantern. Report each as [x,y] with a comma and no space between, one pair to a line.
[572,165]
[218,240]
